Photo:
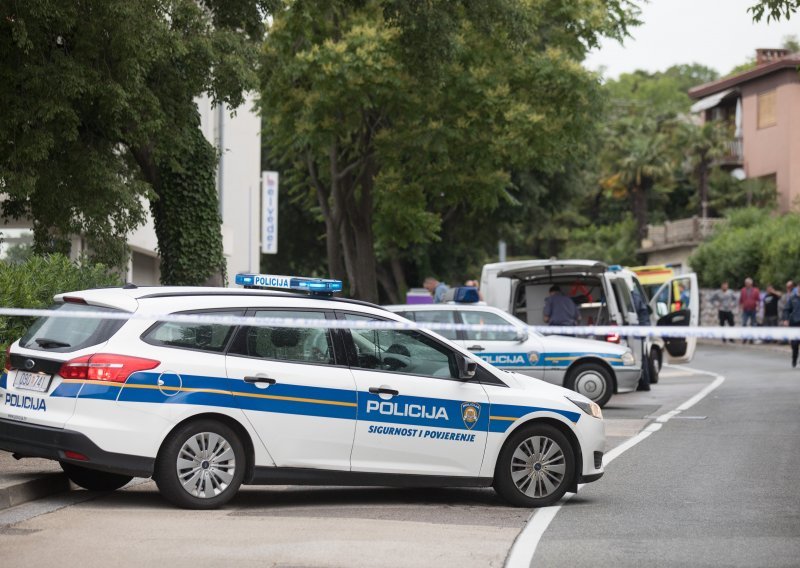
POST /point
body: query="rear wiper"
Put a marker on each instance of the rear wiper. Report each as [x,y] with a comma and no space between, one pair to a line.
[50,343]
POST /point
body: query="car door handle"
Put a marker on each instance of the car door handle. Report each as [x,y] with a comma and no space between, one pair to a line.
[477,348]
[262,380]
[381,390]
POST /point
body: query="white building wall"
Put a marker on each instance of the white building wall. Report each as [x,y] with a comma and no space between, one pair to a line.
[238,179]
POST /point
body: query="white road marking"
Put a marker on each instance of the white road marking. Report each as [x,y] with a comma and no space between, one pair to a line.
[524,547]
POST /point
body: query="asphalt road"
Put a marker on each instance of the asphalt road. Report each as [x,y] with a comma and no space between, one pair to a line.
[715,486]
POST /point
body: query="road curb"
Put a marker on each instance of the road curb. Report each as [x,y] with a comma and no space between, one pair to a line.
[31,489]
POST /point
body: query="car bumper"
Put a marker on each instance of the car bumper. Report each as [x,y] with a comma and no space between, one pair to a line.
[627,378]
[31,440]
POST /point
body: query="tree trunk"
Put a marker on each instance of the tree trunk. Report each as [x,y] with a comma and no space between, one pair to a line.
[399,276]
[363,264]
[702,183]
[639,197]
[387,282]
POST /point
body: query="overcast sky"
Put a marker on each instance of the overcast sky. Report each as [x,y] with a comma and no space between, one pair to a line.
[717,33]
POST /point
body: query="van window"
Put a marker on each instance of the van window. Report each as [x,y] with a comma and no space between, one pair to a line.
[65,334]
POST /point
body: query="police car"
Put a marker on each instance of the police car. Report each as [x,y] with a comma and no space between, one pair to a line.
[204,407]
[595,369]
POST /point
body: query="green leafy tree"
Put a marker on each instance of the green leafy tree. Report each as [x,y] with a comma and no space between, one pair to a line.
[614,243]
[396,140]
[99,118]
[773,9]
[703,146]
[728,193]
[662,93]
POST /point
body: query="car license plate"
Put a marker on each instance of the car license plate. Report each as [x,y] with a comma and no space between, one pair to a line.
[32,381]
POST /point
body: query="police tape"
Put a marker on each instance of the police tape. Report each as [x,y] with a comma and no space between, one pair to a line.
[366,322]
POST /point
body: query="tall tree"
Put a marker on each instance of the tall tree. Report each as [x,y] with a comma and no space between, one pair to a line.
[99,117]
[703,145]
[395,139]
[638,158]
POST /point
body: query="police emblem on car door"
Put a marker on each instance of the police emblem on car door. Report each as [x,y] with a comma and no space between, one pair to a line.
[470,412]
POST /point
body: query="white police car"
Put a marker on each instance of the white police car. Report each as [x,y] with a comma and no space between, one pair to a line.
[595,369]
[204,407]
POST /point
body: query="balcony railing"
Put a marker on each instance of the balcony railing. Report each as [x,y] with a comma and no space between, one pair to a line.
[680,232]
[734,154]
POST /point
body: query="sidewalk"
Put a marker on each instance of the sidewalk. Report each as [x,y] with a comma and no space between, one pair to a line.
[28,479]
[776,347]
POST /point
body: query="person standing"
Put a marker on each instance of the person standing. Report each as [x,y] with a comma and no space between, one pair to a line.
[724,300]
[749,300]
[791,317]
[771,300]
[791,290]
[643,317]
[560,310]
[436,288]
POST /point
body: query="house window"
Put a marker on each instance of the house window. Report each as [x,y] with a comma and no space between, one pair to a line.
[766,109]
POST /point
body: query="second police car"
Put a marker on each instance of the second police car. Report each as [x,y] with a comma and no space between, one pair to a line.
[595,369]
[205,407]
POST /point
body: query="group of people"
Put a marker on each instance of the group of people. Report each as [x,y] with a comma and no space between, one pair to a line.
[778,309]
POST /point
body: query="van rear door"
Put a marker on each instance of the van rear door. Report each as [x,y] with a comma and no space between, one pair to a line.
[677,303]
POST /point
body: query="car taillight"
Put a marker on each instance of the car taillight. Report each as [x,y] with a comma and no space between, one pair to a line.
[613,337]
[105,367]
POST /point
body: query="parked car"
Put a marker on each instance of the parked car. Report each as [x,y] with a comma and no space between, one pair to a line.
[595,369]
[204,407]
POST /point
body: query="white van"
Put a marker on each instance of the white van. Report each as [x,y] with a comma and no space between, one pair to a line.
[603,295]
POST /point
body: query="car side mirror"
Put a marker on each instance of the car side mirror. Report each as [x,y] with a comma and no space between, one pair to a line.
[466,367]
[521,337]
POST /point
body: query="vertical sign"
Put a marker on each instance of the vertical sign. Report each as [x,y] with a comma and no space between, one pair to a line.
[269,212]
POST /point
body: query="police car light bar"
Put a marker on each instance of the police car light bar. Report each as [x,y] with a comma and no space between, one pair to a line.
[462,295]
[311,285]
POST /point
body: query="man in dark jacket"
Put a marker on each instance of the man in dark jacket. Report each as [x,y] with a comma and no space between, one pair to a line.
[791,317]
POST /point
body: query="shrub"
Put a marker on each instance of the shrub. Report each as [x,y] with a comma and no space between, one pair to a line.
[33,283]
[753,243]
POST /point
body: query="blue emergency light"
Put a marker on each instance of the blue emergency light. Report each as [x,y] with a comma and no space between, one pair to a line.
[321,286]
[462,295]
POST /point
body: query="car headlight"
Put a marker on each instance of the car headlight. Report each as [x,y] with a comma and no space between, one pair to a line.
[590,408]
[628,358]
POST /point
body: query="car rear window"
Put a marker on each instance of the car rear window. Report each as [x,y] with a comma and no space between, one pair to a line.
[66,334]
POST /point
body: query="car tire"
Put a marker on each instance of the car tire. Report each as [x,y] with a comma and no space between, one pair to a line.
[535,467]
[201,465]
[94,480]
[655,364]
[592,380]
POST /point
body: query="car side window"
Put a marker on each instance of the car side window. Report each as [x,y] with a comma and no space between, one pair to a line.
[437,316]
[292,344]
[203,337]
[486,318]
[401,351]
